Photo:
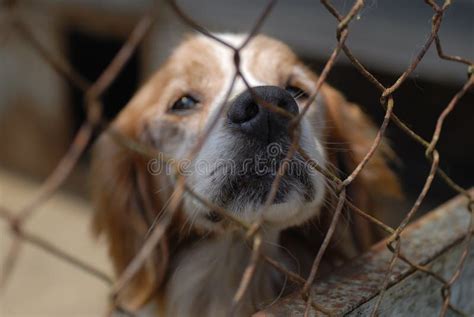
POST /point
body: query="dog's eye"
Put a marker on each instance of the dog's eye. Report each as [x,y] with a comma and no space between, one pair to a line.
[186,102]
[297,92]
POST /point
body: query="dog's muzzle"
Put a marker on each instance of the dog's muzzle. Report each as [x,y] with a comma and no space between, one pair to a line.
[250,113]
[247,152]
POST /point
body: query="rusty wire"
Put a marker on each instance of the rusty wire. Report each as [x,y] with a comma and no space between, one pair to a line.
[94,121]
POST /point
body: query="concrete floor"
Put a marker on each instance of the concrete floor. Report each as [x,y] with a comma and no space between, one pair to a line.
[40,284]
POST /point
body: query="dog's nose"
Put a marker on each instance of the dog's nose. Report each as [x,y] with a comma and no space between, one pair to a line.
[258,121]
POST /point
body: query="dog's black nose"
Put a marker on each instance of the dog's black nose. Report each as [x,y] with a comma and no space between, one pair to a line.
[248,116]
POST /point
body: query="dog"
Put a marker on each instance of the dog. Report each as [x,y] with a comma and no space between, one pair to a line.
[196,268]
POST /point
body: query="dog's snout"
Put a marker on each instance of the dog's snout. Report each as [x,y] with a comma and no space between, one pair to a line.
[249,115]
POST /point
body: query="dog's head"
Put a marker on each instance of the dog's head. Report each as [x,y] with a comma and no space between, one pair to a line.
[240,158]
[236,166]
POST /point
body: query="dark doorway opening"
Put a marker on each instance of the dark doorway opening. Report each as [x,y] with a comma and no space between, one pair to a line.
[90,54]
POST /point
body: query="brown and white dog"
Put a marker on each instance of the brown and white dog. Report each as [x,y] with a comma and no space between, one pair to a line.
[197,266]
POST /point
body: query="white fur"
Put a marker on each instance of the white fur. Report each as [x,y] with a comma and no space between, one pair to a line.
[207,277]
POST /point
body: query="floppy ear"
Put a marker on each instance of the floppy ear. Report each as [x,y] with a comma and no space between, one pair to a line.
[349,127]
[125,207]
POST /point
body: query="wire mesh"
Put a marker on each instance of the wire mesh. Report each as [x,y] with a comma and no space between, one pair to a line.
[92,95]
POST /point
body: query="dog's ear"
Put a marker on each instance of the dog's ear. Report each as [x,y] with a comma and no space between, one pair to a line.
[125,207]
[350,129]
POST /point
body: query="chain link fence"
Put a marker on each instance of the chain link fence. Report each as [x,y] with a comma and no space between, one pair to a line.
[93,105]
